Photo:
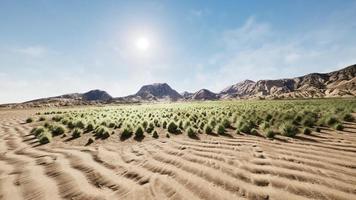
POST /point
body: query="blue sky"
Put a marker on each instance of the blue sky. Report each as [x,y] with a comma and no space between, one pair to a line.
[49,47]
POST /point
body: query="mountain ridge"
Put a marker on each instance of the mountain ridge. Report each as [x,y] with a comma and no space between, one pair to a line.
[310,85]
[339,83]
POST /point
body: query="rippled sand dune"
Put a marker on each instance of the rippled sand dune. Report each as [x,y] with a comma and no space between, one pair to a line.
[319,166]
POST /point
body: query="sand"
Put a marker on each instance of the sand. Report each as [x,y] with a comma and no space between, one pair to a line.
[319,166]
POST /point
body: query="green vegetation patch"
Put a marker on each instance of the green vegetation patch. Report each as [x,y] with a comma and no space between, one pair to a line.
[255,117]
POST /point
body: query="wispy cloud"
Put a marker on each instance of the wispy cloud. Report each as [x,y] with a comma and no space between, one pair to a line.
[210,48]
[199,13]
[32,51]
[250,34]
[255,51]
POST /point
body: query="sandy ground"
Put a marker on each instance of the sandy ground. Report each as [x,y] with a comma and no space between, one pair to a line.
[320,166]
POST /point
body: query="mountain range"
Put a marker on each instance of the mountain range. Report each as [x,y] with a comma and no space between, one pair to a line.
[340,83]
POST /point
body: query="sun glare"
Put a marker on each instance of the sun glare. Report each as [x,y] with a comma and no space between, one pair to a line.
[142,43]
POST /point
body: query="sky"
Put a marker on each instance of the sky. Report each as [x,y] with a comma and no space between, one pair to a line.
[49,47]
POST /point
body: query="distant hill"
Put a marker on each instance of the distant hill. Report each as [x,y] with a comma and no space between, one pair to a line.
[96,95]
[91,97]
[340,83]
[154,92]
[238,90]
[204,94]
[334,84]
[186,95]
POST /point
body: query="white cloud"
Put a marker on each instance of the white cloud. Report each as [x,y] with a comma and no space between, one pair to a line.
[250,34]
[33,51]
[196,16]
[292,57]
[199,12]
[255,51]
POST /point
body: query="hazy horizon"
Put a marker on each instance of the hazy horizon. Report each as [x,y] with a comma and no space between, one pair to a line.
[50,48]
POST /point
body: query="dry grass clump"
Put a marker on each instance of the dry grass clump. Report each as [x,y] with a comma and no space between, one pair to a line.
[44,137]
[172,127]
[36,131]
[102,132]
[57,118]
[348,117]
[139,133]
[42,118]
[288,129]
[76,133]
[306,131]
[270,133]
[29,120]
[266,118]
[244,126]
[150,128]
[220,129]
[57,129]
[42,134]
[126,133]
[90,127]
[338,126]
[191,132]
[208,129]
[155,134]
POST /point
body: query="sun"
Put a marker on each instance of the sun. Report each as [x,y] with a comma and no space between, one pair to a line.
[142,43]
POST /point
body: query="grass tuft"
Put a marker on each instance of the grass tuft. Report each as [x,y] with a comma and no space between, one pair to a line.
[288,129]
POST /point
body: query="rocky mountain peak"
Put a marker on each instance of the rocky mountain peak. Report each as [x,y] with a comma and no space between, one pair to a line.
[158,91]
[204,94]
[96,95]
